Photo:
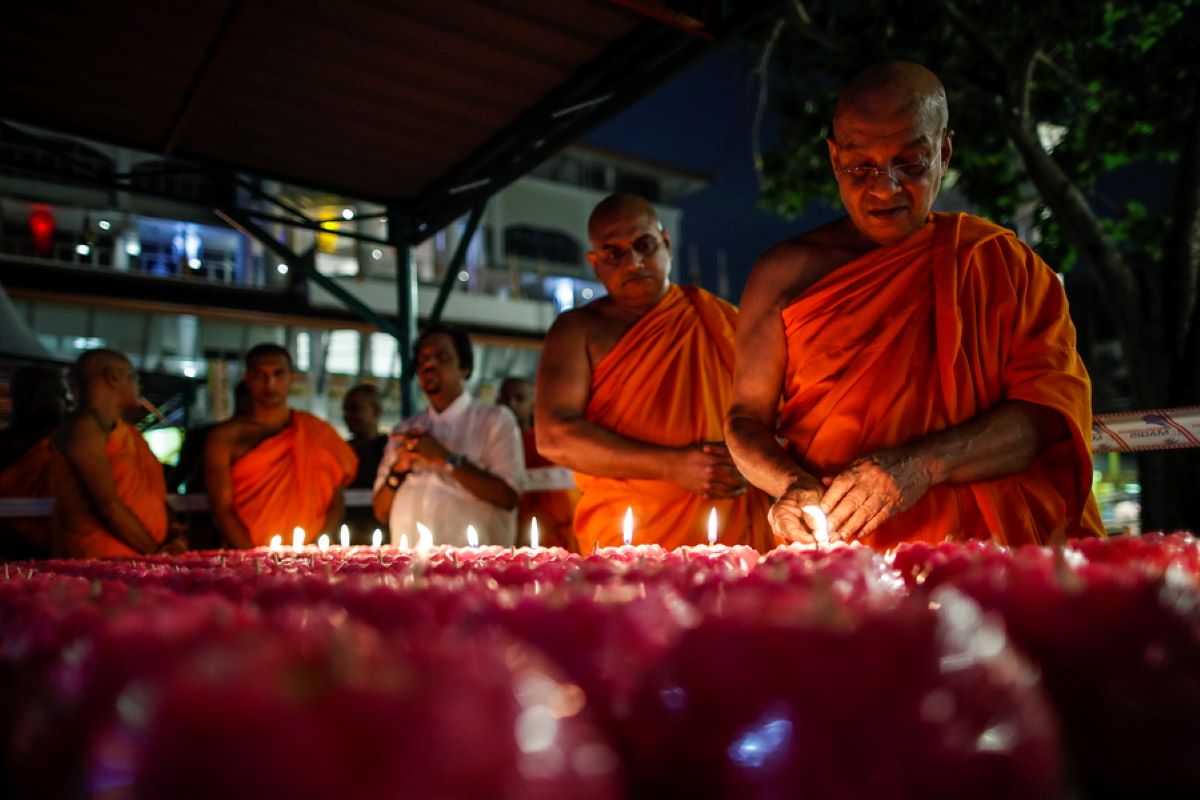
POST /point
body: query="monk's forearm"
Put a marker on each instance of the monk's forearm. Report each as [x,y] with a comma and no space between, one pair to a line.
[999,442]
[123,524]
[381,503]
[486,486]
[232,529]
[335,514]
[588,448]
[759,457]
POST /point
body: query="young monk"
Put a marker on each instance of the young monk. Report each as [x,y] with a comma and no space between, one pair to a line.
[930,384]
[110,497]
[275,469]
[632,390]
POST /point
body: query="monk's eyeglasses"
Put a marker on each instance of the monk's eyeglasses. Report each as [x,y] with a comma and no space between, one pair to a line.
[897,173]
[644,246]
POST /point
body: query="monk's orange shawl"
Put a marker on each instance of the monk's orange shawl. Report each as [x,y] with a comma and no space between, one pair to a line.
[288,480]
[29,476]
[668,381]
[138,478]
[916,337]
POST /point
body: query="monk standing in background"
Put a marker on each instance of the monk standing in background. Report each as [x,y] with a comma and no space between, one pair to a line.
[275,469]
[632,391]
[930,384]
[39,402]
[554,509]
[110,497]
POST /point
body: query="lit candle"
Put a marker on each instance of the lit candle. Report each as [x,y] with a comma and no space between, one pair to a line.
[403,541]
[472,536]
[323,542]
[276,542]
[344,536]
[298,537]
[424,538]
[377,538]
[533,533]
[819,523]
[627,528]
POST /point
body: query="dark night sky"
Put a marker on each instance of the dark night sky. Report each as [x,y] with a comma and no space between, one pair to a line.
[701,121]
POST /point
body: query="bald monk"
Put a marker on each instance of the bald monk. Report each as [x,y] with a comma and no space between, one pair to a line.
[632,390]
[39,402]
[930,384]
[554,509]
[110,496]
[274,469]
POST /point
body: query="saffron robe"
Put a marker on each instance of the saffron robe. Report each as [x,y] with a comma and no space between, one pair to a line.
[668,381]
[140,485]
[288,480]
[919,336]
[29,476]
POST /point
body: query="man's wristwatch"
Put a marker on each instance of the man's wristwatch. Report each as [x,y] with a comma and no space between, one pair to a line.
[394,479]
[454,461]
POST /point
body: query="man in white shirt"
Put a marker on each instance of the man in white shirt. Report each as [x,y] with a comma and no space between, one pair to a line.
[458,462]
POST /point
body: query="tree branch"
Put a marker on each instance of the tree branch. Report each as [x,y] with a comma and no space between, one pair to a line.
[977,37]
[1082,228]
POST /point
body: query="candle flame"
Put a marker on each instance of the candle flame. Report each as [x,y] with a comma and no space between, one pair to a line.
[533,533]
[472,536]
[276,542]
[627,527]
[424,538]
[377,538]
[819,524]
[404,541]
[298,538]
[323,542]
[712,526]
[344,536]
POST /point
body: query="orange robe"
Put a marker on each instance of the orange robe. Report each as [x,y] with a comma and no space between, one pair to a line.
[668,381]
[140,485]
[289,480]
[925,334]
[554,509]
[29,476]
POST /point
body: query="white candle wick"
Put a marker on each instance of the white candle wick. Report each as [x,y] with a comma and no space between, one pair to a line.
[819,524]
[533,533]
[472,536]
[712,526]
[627,527]
[298,538]
[276,542]
[323,542]
[344,536]
[377,538]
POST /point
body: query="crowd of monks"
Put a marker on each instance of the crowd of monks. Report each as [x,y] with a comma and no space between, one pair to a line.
[912,374]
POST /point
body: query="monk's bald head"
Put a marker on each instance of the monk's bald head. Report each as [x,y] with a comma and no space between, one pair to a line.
[622,207]
[890,90]
[96,365]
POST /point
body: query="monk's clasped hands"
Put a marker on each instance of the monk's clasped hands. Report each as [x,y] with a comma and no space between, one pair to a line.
[871,491]
[707,469]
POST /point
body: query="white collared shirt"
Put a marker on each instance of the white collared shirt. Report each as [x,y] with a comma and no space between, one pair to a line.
[488,436]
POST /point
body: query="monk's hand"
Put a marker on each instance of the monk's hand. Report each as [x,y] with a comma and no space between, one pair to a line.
[421,447]
[872,490]
[707,469]
[787,517]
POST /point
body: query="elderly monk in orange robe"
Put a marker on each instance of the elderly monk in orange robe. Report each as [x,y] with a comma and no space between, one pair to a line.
[275,469]
[632,391]
[39,403]
[554,509]
[930,384]
[110,496]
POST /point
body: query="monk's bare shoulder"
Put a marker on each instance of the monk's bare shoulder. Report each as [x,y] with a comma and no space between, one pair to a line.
[231,439]
[783,273]
[594,328]
[78,429]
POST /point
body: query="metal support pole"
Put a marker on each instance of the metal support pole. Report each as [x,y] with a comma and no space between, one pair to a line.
[399,232]
[307,263]
[456,262]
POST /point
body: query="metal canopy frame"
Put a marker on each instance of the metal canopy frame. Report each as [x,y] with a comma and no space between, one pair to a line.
[623,73]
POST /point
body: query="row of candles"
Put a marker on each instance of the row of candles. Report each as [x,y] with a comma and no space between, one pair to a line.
[425,535]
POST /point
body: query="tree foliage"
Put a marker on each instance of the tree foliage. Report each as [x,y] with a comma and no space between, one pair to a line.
[1054,104]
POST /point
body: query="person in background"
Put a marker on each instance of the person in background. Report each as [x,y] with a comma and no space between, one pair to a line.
[40,399]
[188,472]
[275,469]
[361,408]
[458,462]
[554,509]
[110,496]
